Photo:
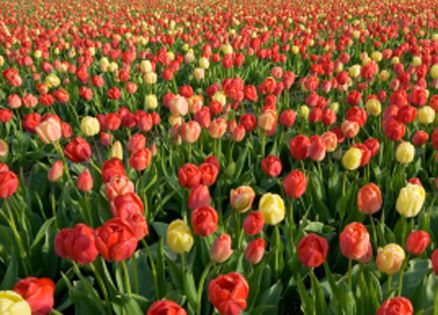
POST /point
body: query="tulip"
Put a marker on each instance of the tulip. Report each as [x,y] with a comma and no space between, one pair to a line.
[241,199]
[373,106]
[352,158]
[434,259]
[426,115]
[116,151]
[271,206]
[255,251]
[150,101]
[398,305]
[354,241]
[12,303]
[8,183]
[49,131]
[90,126]
[253,223]
[165,307]
[141,159]
[189,175]
[410,200]
[390,259]
[199,197]
[405,153]
[4,148]
[221,249]
[228,293]
[295,184]
[204,221]
[312,250]
[85,181]
[77,244]
[369,199]
[39,293]
[116,240]
[179,237]
[55,172]
[417,242]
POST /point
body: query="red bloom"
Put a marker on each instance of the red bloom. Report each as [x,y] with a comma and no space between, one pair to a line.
[116,240]
[199,197]
[77,244]
[228,293]
[271,166]
[396,306]
[312,250]
[189,175]
[8,184]
[140,160]
[417,242]
[165,307]
[209,173]
[39,293]
[204,221]
[295,184]
[77,150]
[255,251]
[114,93]
[111,168]
[355,241]
[299,147]
[253,223]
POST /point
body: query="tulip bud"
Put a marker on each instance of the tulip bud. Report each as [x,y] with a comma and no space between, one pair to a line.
[390,259]
[417,242]
[434,71]
[221,249]
[85,181]
[255,251]
[55,171]
[116,151]
[369,199]
[4,148]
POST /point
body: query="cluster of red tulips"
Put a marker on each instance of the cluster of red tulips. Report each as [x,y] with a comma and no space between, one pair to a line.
[224,158]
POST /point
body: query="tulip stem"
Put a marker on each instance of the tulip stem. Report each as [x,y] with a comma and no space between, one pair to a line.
[403,232]
[373,230]
[350,267]
[262,144]
[201,287]
[102,286]
[400,281]
[126,276]
[435,300]
[153,268]
[389,285]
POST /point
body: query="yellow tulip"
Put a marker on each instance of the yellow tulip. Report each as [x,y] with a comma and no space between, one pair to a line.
[150,101]
[373,106]
[351,159]
[405,153]
[179,237]
[390,259]
[90,126]
[434,71]
[117,150]
[11,303]
[272,208]
[410,200]
[426,115]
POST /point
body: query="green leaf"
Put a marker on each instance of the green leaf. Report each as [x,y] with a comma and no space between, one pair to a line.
[11,275]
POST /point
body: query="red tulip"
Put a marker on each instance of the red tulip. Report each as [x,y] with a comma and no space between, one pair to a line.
[116,240]
[228,293]
[204,221]
[165,307]
[39,293]
[312,250]
[295,184]
[255,251]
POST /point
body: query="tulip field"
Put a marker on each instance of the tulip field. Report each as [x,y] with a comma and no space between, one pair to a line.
[219,157]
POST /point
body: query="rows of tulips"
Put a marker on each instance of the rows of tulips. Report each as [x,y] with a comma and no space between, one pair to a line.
[218,158]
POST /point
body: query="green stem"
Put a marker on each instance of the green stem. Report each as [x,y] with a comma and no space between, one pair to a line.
[153,269]
[435,301]
[350,267]
[126,276]
[373,231]
[201,287]
[389,285]
[102,286]
[135,274]
[400,281]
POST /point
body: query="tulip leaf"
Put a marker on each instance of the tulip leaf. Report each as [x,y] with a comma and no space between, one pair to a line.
[11,274]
